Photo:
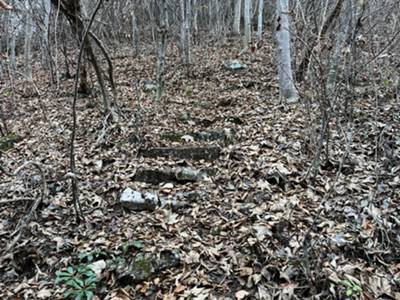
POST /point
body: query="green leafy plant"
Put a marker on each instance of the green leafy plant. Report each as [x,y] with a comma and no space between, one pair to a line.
[131,245]
[352,289]
[80,282]
[8,93]
[93,255]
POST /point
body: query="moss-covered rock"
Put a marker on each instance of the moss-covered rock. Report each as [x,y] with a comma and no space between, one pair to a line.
[143,266]
[7,142]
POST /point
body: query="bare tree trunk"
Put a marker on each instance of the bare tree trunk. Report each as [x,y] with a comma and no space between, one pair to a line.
[237,16]
[45,47]
[287,89]
[185,33]
[260,20]
[72,9]
[161,48]
[247,23]
[302,69]
[135,31]
[152,20]
[12,42]
[28,42]
[341,38]
[195,21]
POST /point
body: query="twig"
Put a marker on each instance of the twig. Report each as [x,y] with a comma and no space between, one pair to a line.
[16,200]
[74,181]
[23,223]
[349,138]
[103,132]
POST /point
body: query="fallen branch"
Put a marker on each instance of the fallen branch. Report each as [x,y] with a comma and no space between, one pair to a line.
[16,200]
[23,223]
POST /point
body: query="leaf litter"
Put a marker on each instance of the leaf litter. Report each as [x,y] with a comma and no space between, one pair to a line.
[256,230]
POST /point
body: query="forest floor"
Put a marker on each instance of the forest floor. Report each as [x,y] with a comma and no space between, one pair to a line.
[252,226]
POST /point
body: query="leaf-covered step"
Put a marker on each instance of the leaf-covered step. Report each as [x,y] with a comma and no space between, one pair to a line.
[222,135]
[180,175]
[195,153]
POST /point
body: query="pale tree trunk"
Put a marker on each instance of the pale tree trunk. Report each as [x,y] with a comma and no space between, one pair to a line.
[135,31]
[341,38]
[161,48]
[187,29]
[247,23]
[1,69]
[288,91]
[312,44]
[215,18]
[12,42]
[152,19]
[185,33]
[28,42]
[211,24]
[46,6]
[195,21]
[237,16]
[260,20]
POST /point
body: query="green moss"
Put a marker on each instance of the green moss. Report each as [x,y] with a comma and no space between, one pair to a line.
[7,142]
[141,267]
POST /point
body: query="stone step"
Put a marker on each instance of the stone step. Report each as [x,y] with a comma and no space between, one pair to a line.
[221,135]
[178,175]
[195,153]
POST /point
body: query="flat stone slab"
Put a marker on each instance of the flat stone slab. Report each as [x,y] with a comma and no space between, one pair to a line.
[180,175]
[137,201]
[195,153]
[223,135]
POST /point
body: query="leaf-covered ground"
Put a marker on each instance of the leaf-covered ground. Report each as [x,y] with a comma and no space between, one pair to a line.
[258,228]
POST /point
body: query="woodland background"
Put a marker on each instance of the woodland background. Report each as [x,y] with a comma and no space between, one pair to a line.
[199,149]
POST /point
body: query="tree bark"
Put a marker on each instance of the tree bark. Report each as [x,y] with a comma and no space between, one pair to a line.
[161,48]
[288,91]
[247,23]
[28,43]
[237,16]
[260,20]
[302,69]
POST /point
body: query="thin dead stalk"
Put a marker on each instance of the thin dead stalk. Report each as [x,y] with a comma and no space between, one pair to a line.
[74,179]
[24,222]
[307,245]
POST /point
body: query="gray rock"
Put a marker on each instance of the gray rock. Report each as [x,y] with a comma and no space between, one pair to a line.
[149,86]
[144,266]
[235,65]
[192,196]
[189,175]
[179,175]
[134,200]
